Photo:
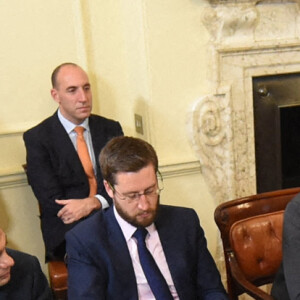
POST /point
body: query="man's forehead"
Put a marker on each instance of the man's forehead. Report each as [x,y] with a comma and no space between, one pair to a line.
[125,178]
[71,72]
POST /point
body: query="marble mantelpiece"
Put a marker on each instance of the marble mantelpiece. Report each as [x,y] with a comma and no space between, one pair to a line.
[248,39]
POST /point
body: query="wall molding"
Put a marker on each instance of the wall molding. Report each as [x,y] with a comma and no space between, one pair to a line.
[16,177]
[13,180]
[6,134]
[180,169]
[19,179]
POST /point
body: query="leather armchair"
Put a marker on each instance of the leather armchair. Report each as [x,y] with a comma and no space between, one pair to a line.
[251,233]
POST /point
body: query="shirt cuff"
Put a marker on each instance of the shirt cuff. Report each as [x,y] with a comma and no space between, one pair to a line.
[103,201]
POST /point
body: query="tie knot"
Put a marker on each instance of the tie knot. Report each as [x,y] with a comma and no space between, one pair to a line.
[79,130]
[140,234]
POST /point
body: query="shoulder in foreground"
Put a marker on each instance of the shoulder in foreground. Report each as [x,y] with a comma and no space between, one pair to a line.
[18,255]
[95,221]
[294,204]
[177,210]
[177,217]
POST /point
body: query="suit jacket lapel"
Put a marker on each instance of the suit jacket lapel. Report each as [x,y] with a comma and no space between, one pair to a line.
[97,141]
[169,240]
[122,257]
[97,136]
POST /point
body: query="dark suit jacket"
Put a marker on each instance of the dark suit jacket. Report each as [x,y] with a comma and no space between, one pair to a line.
[27,282]
[286,285]
[100,266]
[54,171]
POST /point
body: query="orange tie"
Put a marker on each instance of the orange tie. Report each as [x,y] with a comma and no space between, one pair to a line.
[85,159]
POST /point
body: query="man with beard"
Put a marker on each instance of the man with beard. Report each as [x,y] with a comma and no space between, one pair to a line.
[106,254]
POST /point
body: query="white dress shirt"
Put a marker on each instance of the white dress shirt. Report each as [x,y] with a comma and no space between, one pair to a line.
[154,246]
[69,127]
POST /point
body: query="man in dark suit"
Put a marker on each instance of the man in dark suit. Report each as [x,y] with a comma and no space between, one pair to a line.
[21,276]
[286,285]
[54,168]
[106,256]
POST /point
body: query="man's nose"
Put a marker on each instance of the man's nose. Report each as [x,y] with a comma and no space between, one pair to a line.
[143,202]
[82,95]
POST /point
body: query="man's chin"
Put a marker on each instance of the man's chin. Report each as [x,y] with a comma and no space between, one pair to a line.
[84,115]
[144,221]
[141,219]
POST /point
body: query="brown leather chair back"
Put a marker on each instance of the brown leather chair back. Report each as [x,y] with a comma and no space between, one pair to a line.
[251,232]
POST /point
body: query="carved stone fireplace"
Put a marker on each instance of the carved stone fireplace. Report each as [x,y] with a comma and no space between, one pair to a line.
[248,39]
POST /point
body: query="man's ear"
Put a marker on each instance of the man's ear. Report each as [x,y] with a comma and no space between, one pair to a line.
[54,95]
[108,189]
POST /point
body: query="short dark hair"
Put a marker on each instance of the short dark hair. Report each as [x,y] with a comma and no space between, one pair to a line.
[56,71]
[126,154]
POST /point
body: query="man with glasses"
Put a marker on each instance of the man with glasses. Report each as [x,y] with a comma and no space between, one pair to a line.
[138,248]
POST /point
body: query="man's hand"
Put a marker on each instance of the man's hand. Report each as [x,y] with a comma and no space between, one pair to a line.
[75,209]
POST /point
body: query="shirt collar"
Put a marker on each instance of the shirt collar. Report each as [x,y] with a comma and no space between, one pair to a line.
[128,229]
[68,125]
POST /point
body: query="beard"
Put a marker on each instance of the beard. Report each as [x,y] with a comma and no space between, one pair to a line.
[138,220]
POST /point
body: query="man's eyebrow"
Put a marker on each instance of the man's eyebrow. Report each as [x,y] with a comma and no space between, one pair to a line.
[136,192]
[87,85]
[72,87]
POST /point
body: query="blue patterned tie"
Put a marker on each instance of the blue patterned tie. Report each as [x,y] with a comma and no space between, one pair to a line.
[154,277]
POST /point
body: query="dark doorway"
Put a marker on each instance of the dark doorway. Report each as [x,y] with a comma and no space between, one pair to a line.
[277,131]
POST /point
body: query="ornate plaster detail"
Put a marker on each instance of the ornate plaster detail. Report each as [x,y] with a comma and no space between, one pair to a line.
[210,126]
[254,2]
[226,23]
[247,39]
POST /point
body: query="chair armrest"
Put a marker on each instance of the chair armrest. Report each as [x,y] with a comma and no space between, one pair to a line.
[58,275]
[244,283]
